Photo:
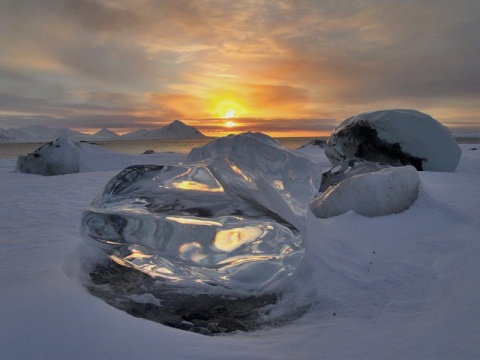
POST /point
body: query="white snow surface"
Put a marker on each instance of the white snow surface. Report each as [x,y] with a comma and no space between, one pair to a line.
[387,191]
[402,286]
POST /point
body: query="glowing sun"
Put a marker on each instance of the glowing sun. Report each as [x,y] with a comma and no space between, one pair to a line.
[228,109]
[230,124]
[229,114]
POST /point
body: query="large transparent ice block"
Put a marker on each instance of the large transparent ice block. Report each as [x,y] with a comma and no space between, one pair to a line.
[220,221]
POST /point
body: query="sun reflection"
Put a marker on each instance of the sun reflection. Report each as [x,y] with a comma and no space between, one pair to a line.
[231,239]
[193,185]
[192,252]
[238,171]
[193,221]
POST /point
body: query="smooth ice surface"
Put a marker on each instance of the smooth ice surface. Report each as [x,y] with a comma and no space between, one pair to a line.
[234,218]
[403,286]
[383,192]
[264,172]
[397,137]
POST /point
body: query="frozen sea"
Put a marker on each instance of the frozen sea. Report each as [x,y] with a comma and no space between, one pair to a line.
[402,286]
[135,147]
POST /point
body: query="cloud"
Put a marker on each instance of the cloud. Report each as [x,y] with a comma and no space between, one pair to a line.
[304,59]
[273,100]
[176,105]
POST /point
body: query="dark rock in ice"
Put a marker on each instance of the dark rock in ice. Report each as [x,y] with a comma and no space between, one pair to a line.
[201,330]
[213,328]
[387,191]
[200,323]
[123,287]
[147,152]
[151,312]
[348,168]
[231,324]
[196,316]
[58,157]
[184,325]
[395,137]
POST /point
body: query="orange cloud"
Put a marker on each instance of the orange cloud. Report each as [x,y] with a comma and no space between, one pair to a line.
[252,100]
[260,60]
[176,105]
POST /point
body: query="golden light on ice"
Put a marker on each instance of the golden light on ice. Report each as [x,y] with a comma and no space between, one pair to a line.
[231,239]
[230,124]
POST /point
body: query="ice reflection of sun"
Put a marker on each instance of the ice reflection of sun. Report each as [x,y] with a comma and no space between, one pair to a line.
[230,124]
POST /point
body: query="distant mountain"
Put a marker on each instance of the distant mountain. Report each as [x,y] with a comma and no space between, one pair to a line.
[105,134]
[38,133]
[4,136]
[179,130]
[32,133]
[69,134]
[176,130]
[136,135]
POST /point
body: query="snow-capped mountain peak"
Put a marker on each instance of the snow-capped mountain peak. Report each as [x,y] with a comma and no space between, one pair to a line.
[105,134]
[175,130]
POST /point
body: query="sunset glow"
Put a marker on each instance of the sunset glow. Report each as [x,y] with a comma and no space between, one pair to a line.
[275,67]
[227,109]
[229,114]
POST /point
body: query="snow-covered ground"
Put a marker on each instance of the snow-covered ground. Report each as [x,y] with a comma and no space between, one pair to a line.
[403,286]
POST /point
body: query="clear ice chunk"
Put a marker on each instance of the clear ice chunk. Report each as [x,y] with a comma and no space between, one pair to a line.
[263,171]
[233,219]
[348,168]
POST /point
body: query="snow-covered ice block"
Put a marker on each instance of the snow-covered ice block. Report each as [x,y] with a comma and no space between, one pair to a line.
[58,157]
[396,137]
[65,156]
[232,217]
[382,192]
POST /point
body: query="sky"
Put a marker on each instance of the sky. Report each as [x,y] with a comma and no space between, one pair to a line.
[286,68]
